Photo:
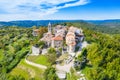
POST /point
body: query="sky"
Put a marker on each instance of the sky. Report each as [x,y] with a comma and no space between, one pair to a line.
[11,10]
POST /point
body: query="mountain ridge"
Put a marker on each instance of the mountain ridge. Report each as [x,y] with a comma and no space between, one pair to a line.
[30,23]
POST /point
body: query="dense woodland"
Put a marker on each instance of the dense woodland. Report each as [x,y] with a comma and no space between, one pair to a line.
[103,53]
[15,43]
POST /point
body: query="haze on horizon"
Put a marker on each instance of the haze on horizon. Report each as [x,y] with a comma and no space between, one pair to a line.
[59,10]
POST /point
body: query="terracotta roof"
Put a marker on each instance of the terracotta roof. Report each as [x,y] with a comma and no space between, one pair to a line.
[70,34]
[73,43]
[57,38]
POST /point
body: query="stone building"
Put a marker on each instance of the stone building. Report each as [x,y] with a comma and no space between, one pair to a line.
[47,37]
[35,50]
[79,35]
[73,37]
[57,42]
[61,32]
[70,41]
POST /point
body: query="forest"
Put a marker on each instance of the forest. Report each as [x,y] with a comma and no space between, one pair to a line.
[103,55]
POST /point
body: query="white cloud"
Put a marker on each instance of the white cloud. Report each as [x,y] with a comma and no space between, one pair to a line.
[34,9]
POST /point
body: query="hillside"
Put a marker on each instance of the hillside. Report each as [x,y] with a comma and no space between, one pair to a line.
[106,23]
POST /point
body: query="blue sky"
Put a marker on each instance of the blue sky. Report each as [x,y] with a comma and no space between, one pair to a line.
[59,9]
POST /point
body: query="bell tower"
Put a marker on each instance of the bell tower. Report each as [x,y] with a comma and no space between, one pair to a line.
[49,27]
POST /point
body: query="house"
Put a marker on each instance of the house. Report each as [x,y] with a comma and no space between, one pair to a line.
[73,37]
[60,29]
[57,41]
[47,38]
[56,28]
[61,32]
[35,50]
[70,41]
[79,35]
[35,32]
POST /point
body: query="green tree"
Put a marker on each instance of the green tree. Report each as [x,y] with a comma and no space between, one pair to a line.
[50,74]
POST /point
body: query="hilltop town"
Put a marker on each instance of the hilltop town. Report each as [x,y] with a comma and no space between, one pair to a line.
[66,41]
[66,51]
[61,35]
[59,39]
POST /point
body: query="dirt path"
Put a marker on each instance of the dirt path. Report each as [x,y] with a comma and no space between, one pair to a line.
[35,64]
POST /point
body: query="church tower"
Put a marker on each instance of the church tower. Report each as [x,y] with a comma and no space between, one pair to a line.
[49,27]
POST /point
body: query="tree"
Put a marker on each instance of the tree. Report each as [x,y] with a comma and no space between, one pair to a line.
[52,56]
[41,44]
[42,30]
[84,52]
[50,74]
[51,50]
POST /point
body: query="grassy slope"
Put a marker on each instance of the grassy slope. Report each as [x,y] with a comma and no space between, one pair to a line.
[27,71]
[41,59]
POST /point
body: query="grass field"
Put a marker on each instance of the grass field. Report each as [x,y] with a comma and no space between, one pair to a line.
[41,59]
[27,71]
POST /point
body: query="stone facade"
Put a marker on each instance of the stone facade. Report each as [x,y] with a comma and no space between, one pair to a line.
[57,42]
[70,41]
[35,50]
[48,36]
[73,37]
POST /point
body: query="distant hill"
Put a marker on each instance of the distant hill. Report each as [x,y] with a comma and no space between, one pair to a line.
[105,26]
[107,23]
[30,23]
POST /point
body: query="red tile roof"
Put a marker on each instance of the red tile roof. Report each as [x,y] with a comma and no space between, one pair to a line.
[57,38]
[73,43]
